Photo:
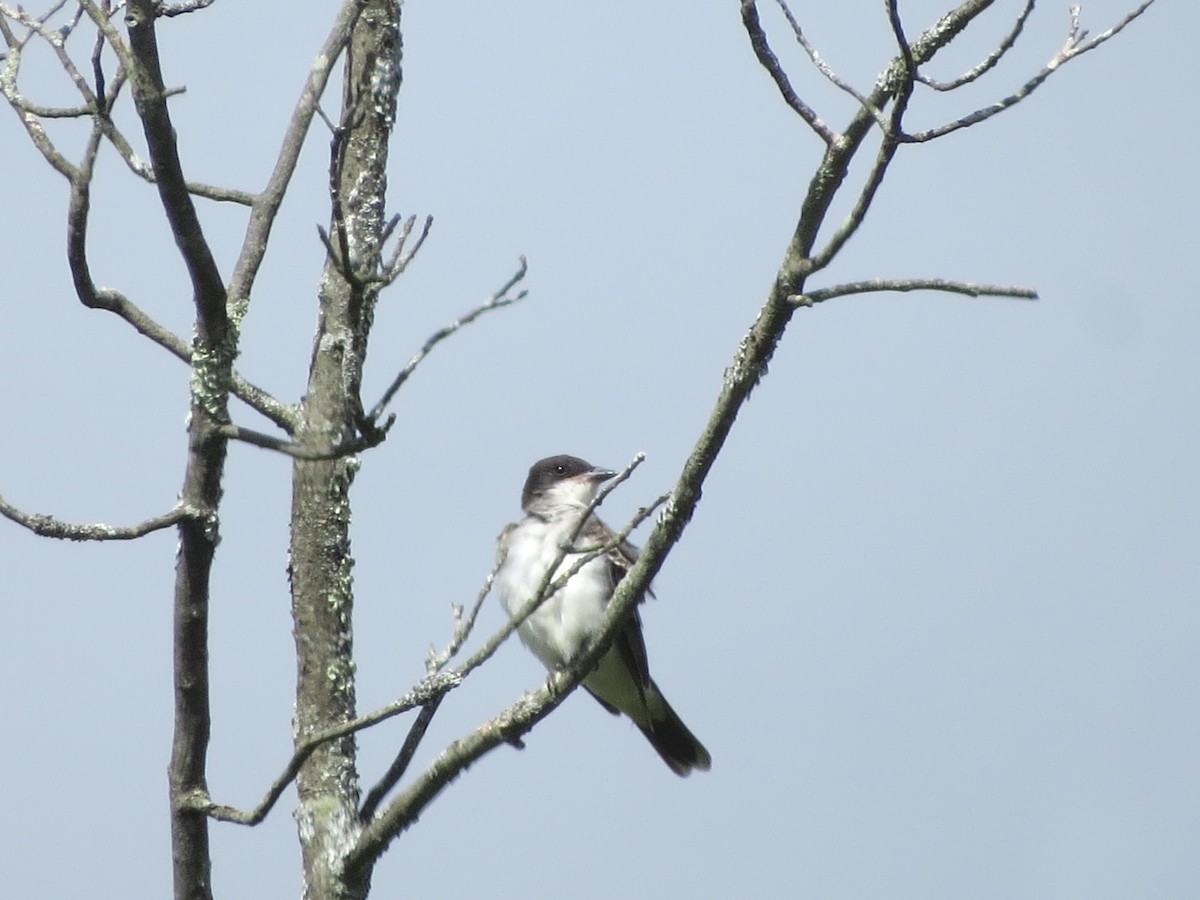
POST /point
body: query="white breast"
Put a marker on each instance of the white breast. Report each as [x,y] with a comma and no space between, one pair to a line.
[563,623]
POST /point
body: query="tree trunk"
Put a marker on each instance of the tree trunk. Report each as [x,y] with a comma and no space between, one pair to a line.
[321,564]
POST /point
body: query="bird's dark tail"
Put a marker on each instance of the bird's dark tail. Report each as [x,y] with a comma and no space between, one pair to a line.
[675,743]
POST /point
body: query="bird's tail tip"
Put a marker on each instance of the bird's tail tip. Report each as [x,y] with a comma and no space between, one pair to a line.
[679,748]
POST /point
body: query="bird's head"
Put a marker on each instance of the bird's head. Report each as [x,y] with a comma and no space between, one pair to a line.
[561,482]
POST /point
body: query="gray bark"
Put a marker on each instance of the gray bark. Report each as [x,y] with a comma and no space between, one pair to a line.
[331,413]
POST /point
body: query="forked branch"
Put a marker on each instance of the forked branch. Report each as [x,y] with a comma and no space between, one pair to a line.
[769,61]
[1075,46]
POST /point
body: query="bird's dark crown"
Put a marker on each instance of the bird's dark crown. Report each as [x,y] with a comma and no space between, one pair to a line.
[545,473]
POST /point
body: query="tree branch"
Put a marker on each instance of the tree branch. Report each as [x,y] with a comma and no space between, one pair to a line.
[428,690]
[253,396]
[894,83]
[1076,45]
[825,69]
[399,766]
[770,62]
[48,526]
[266,205]
[398,261]
[144,171]
[498,300]
[904,285]
[93,297]
[213,353]
[300,451]
[989,61]
[29,120]
[898,86]
[149,94]
[436,661]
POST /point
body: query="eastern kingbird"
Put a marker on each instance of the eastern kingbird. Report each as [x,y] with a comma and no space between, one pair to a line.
[557,492]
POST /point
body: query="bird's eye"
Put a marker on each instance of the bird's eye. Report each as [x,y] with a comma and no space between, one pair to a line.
[560,469]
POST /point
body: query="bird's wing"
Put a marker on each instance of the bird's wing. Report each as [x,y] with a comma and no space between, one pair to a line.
[620,558]
[632,647]
[628,642]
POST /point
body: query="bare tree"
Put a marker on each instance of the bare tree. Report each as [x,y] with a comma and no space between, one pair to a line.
[366,249]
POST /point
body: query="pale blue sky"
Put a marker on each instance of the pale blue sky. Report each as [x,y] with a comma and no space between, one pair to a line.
[936,616]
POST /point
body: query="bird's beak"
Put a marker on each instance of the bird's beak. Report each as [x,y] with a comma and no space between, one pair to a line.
[599,475]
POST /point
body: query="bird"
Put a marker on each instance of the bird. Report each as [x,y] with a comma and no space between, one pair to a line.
[556,494]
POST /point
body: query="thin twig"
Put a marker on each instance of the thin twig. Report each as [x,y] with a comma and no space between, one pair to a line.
[883,159]
[399,260]
[906,54]
[299,451]
[825,69]
[1076,45]
[436,661]
[266,205]
[33,127]
[72,23]
[341,257]
[49,526]
[989,61]
[498,300]
[116,42]
[770,62]
[402,761]
[875,285]
[896,82]
[98,77]
[57,41]
[426,691]
[145,171]
[258,399]
[50,112]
